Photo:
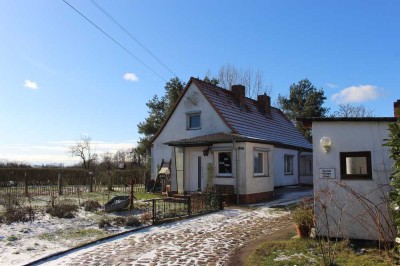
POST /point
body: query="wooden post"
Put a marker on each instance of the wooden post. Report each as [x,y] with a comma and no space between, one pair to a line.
[91,174]
[60,191]
[109,181]
[26,185]
[132,196]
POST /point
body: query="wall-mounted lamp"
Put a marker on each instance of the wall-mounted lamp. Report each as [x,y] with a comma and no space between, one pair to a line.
[206,151]
[326,143]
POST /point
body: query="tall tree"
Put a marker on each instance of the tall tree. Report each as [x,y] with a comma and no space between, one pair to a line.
[159,109]
[348,110]
[83,149]
[253,80]
[304,100]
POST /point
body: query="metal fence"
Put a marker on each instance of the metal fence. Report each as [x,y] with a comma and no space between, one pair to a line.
[170,209]
[39,182]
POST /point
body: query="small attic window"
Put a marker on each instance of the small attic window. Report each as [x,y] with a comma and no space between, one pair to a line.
[193,120]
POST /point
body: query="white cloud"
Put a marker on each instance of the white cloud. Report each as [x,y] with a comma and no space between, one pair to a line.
[131,77]
[56,151]
[357,94]
[30,84]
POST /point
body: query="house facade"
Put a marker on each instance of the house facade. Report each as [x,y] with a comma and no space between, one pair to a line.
[352,172]
[217,137]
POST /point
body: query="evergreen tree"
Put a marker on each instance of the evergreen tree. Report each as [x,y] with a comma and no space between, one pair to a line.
[304,101]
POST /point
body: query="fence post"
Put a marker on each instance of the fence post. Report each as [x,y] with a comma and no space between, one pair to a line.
[91,174]
[109,181]
[26,185]
[189,203]
[132,184]
[154,211]
[60,192]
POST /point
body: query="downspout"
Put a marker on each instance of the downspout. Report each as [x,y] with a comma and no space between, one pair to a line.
[237,172]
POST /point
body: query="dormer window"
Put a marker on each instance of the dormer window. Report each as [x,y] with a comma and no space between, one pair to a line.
[193,120]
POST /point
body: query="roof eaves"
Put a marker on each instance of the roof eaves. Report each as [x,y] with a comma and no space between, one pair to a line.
[171,112]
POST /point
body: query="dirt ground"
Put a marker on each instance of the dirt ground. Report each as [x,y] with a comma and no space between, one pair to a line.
[241,254]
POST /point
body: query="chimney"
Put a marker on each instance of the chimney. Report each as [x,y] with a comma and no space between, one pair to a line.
[239,94]
[264,104]
[396,108]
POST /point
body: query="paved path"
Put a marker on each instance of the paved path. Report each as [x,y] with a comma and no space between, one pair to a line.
[205,240]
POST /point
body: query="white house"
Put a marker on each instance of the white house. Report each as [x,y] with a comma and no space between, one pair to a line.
[218,137]
[352,169]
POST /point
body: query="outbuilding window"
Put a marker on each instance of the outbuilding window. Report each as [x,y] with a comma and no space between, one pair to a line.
[355,165]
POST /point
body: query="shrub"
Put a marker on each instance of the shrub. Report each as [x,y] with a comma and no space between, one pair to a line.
[303,214]
[91,205]
[132,221]
[119,221]
[145,217]
[104,224]
[20,214]
[63,210]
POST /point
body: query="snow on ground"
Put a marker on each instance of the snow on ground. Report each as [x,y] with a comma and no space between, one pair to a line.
[21,243]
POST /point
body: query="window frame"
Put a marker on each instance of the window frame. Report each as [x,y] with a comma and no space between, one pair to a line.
[265,162]
[231,166]
[344,175]
[291,157]
[189,116]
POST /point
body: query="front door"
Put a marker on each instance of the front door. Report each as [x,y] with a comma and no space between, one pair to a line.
[196,171]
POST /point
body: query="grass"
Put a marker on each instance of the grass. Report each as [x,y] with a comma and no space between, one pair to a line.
[306,252]
[86,234]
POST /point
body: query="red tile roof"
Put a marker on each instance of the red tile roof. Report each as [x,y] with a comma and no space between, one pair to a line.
[247,124]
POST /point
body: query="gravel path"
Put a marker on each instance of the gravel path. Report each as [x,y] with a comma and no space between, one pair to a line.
[204,240]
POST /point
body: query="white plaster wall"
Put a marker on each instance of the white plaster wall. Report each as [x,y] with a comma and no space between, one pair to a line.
[176,126]
[280,179]
[257,184]
[341,205]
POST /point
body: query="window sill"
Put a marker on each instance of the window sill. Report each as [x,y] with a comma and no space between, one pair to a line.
[224,176]
[256,176]
[194,128]
[365,178]
[288,174]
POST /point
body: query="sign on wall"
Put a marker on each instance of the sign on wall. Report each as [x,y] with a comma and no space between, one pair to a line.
[327,173]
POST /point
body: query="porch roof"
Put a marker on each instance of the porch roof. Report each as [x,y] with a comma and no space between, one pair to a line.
[209,140]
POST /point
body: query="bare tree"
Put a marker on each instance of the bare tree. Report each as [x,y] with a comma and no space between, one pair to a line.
[83,150]
[348,110]
[254,81]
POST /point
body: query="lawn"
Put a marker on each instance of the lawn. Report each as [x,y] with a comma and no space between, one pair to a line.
[307,252]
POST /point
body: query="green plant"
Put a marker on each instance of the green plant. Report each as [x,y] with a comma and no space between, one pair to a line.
[303,214]
[91,205]
[133,221]
[12,238]
[104,224]
[63,210]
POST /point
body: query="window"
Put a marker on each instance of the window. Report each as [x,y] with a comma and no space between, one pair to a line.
[260,162]
[193,120]
[288,164]
[225,163]
[355,165]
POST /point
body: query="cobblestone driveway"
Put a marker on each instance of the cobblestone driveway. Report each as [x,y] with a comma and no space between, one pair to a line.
[205,240]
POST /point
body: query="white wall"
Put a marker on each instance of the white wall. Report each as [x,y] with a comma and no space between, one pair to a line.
[176,126]
[257,184]
[280,179]
[341,205]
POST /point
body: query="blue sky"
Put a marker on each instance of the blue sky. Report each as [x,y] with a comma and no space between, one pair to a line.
[60,77]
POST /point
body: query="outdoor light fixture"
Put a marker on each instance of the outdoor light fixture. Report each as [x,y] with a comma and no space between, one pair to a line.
[325,143]
[205,152]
